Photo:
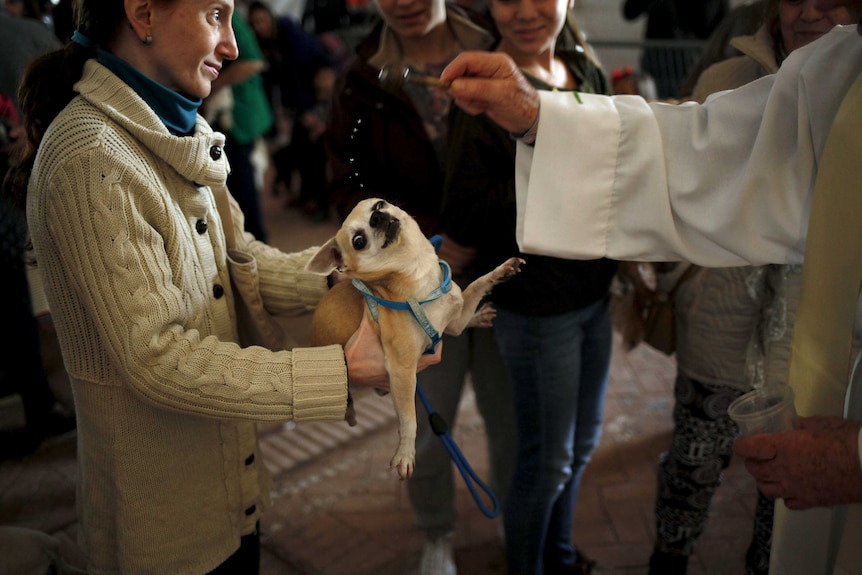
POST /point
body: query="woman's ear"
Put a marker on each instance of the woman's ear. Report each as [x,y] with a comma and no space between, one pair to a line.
[139,14]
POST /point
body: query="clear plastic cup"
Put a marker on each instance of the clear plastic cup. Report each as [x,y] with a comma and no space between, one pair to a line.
[768,409]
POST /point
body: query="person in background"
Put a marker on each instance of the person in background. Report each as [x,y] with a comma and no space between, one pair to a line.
[552,326]
[244,114]
[118,182]
[22,366]
[664,183]
[742,20]
[22,369]
[734,330]
[22,40]
[389,140]
[669,21]
[299,79]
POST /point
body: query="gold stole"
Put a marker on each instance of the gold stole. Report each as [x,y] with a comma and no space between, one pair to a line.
[807,542]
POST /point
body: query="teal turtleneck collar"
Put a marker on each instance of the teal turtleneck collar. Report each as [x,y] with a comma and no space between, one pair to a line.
[178,112]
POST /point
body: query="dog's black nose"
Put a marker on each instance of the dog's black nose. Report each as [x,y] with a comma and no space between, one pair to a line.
[379,219]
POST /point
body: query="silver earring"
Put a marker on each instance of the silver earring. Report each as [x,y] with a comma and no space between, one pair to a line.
[148,39]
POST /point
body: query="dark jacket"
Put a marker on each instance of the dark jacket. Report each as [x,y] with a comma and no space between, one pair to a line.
[479,210]
[294,56]
[677,19]
[377,143]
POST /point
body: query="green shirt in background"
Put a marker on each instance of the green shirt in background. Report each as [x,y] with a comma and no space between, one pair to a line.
[252,115]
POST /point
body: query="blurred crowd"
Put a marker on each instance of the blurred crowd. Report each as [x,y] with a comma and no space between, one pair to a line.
[308,121]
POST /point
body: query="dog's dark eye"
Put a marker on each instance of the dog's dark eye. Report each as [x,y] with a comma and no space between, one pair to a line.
[379,206]
[359,242]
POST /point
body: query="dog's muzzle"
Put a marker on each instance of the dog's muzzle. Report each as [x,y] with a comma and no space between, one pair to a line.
[389,225]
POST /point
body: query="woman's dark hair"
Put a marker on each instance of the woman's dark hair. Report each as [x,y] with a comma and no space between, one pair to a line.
[46,87]
[574,29]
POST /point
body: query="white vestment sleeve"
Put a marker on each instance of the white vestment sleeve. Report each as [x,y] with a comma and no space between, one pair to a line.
[722,184]
[578,215]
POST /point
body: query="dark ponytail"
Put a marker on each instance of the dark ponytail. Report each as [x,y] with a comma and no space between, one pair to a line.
[47,85]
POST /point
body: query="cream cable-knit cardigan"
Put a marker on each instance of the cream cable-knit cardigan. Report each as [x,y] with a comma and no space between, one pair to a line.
[132,253]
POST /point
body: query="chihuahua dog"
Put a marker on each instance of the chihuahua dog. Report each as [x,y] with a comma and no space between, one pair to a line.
[407,290]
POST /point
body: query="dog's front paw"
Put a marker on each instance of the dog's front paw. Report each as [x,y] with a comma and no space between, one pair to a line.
[404,461]
[507,269]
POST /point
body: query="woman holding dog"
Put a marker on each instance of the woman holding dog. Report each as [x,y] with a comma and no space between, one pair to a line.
[119,180]
[552,322]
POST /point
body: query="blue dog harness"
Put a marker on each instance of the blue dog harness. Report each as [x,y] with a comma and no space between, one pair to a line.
[411,305]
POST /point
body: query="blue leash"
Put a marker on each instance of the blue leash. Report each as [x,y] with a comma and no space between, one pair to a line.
[441,429]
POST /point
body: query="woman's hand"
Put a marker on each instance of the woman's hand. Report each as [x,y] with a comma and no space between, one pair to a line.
[366,364]
[490,82]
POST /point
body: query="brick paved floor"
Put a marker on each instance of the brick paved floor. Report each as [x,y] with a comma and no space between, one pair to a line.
[338,511]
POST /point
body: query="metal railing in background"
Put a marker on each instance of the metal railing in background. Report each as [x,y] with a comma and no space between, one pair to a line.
[667,61]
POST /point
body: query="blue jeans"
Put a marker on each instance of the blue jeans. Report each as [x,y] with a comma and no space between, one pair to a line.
[558,366]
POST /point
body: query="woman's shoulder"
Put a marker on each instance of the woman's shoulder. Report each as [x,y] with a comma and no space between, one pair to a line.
[78,143]
[84,136]
[727,75]
[590,76]
[759,47]
[79,127]
[82,127]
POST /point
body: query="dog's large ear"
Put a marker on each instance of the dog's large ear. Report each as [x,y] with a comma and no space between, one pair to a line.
[327,258]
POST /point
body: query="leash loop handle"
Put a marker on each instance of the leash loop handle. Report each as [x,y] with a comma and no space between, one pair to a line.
[471,479]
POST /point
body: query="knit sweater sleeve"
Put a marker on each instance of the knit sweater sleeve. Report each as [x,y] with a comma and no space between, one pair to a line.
[133,296]
[286,288]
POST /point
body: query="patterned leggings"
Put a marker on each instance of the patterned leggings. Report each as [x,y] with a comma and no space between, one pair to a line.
[690,472]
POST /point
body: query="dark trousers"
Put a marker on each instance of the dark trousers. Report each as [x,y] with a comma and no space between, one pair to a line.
[243,187]
[246,560]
